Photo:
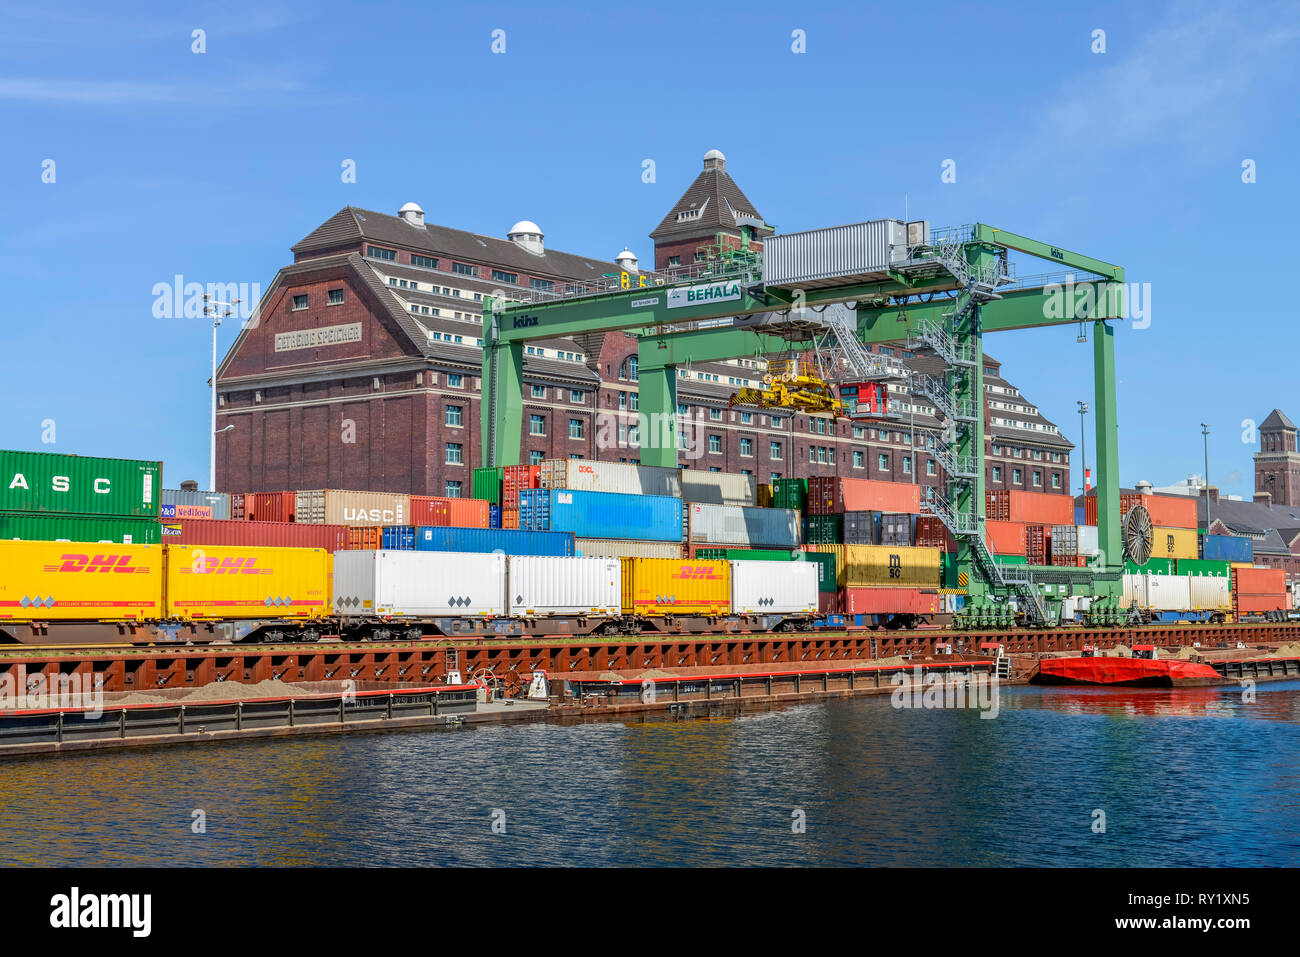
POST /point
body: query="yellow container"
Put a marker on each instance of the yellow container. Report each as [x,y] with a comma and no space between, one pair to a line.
[1243,564]
[235,581]
[1173,542]
[673,586]
[75,581]
[764,499]
[859,566]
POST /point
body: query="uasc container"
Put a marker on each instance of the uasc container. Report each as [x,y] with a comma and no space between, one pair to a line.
[544,586]
[656,587]
[223,581]
[79,485]
[766,588]
[336,507]
[419,584]
[62,581]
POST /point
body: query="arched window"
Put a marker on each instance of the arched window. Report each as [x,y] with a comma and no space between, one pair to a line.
[632,367]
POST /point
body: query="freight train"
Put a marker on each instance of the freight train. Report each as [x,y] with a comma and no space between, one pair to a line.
[60,592]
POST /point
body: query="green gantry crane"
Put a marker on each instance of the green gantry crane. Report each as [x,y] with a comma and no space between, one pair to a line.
[939,291]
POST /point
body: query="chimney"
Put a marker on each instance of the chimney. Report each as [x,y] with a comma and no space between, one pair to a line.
[189,485]
[1263,498]
[1213,493]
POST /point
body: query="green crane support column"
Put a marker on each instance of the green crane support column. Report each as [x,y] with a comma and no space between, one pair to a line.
[657,415]
[502,405]
[1107,444]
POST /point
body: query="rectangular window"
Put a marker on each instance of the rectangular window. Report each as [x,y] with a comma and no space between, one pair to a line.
[336,297]
[1056,480]
[857,460]
[545,285]
[622,400]
[300,302]
[454,379]
[715,443]
[773,476]
[536,425]
[539,392]
[1038,478]
[821,454]
[633,401]
[454,456]
[746,418]
[464,270]
[499,276]
[454,415]
[575,396]
[1017,477]
[812,454]
[379,252]
[747,447]
[774,451]
[907,465]
[929,466]
[535,457]
[715,415]
[451,490]
[674,260]
[997,473]
[428,262]
[882,462]
[575,428]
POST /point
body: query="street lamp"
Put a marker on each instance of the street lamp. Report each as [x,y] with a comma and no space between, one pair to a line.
[212,308]
[1083,448]
[1205,436]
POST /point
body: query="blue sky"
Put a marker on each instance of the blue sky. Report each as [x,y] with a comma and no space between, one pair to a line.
[211,165]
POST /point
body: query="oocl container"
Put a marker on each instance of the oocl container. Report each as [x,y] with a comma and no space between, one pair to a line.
[765,588]
[419,584]
[546,586]
[602,514]
[718,488]
[655,587]
[198,531]
[62,581]
[79,485]
[864,565]
[49,527]
[335,507]
[619,477]
[221,581]
[508,541]
[747,527]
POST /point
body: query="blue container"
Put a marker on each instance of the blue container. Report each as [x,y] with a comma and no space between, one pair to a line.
[511,541]
[398,538]
[1078,515]
[649,518]
[1228,548]
[494,516]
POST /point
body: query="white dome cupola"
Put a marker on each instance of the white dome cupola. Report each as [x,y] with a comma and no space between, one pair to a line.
[412,213]
[528,235]
[627,261]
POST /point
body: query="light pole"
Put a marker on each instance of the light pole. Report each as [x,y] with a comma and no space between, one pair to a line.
[1205,436]
[1083,449]
[212,308]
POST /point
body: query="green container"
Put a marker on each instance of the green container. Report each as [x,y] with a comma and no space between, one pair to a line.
[948,570]
[1202,566]
[790,493]
[48,527]
[1154,566]
[487,484]
[823,530]
[1011,559]
[826,570]
[79,485]
[745,554]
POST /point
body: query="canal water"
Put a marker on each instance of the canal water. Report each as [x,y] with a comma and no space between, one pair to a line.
[1195,777]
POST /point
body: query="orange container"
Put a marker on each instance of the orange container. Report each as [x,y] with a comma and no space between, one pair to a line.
[1032,508]
[269,506]
[1005,538]
[461,512]
[1258,589]
[1171,511]
[365,537]
[510,518]
[829,495]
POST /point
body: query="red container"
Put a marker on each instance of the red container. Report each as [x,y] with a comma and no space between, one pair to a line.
[1005,538]
[220,531]
[236,507]
[884,601]
[269,506]
[364,537]
[828,603]
[932,533]
[517,478]
[1259,589]
[461,512]
[1170,511]
[1036,544]
[1032,508]
[828,495]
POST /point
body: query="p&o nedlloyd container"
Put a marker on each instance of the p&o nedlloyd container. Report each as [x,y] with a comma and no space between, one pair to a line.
[419,584]
[541,586]
[765,588]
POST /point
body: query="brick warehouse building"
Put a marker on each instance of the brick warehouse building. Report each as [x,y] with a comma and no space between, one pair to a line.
[361,366]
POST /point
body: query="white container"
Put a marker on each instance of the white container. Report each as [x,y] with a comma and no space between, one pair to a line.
[1069,608]
[419,584]
[541,586]
[764,588]
[733,525]
[622,477]
[1209,593]
[719,488]
[1135,591]
[818,257]
[1087,535]
[1168,593]
[624,548]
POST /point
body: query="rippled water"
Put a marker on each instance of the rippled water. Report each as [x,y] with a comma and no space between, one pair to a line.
[1191,777]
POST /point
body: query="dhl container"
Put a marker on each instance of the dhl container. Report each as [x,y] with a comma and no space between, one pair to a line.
[1173,511]
[650,518]
[1227,548]
[364,537]
[741,526]
[62,581]
[270,506]
[1168,542]
[767,588]
[1005,538]
[621,478]
[510,541]
[888,601]
[654,587]
[336,507]
[622,548]
[719,488]
[829,494]
[1204,567]
[184,503]
[461,512]
[1031,508]
[50,527]
[79,485]
[220,581]
[790,493]
[214,531]
[542,586]
[868,565]
[765,498]
[418,584]
[486,484]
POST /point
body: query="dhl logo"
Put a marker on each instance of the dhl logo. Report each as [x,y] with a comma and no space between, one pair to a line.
[698,573]
[119,564]
[225,566]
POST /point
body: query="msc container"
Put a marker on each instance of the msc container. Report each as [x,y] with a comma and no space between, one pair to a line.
[49,527]
[656,587]
[270,506]
[622,548]
[826,529]
[790,493]
[1005,538]
[655,518]
[736,525]
[198,531]
[889,601]
[335,507]
[829,494]
[1170,542]
[486,484]
[718,488]
[182,503]
[418,584]
[61,581]
[1202,567]
[1227,548]
[229,581]
[773,588]
[543,586]
[79,485]
[860,528]
[1209,593]
[619,477]
[816,257]
[509,541]
[1032,508]
[465,512]
[864,565]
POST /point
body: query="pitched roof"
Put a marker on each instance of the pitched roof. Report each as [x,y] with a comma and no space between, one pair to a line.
[1277,420]
[717,198]
[352,225]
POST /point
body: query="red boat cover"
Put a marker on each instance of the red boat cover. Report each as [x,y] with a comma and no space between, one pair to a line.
[1110,671]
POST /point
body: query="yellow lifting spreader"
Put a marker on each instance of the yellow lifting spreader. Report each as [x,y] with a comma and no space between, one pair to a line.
[791,383]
